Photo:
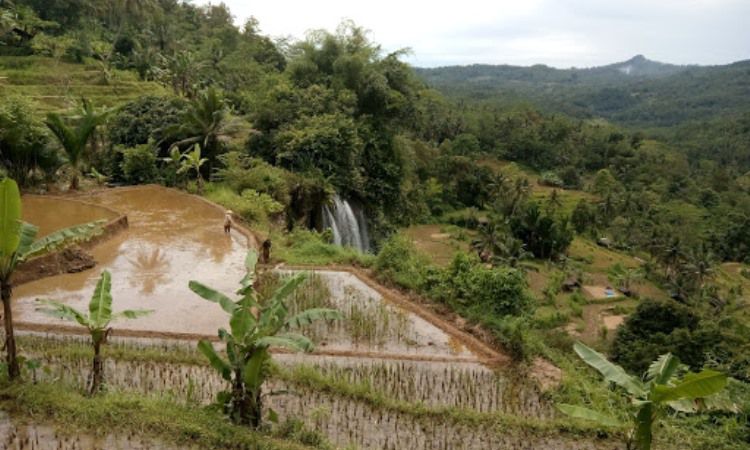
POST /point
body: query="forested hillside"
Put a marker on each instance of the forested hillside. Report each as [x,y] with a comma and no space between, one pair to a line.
[665,100]
[634,177]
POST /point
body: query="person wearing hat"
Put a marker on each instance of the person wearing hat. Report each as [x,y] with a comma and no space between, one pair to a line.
[228,221]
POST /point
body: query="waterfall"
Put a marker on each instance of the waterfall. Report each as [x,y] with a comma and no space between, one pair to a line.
[348,224]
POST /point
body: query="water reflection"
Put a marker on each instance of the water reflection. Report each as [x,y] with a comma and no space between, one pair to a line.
[173,238]
[150,267]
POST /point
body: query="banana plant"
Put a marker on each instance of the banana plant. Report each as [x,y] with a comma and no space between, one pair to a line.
[663,387]
[97,321]
[255,325]
[192,160]
[18,243]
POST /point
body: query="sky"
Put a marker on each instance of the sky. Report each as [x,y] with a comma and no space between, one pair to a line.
[558,33]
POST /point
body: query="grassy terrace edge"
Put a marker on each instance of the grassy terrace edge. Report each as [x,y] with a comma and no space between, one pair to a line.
[307,377]
[158,417]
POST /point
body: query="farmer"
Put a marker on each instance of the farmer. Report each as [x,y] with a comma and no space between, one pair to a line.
[228,221]
[266,251]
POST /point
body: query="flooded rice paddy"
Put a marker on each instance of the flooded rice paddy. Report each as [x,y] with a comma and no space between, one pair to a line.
[393,353]
[172,238]
[52,214]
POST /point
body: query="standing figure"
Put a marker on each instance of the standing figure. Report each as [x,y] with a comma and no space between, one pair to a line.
[228,221]
[266,251]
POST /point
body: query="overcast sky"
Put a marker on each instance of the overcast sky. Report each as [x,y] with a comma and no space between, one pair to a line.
[560,33]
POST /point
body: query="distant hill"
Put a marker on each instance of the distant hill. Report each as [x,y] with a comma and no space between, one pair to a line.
[638,92]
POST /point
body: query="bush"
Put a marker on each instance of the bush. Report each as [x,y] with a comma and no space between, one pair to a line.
[512,333]
[303,246]
[658,327]
[570,177]
[251,205]
[242,172]
[146,118]
[399,262]
[551,179]
[545,235]
[139,164]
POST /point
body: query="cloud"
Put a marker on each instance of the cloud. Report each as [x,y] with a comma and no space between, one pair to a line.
[560,33]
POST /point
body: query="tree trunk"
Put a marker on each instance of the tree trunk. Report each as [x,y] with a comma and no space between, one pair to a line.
[246,410]
[14,370]
[98,369]
[74,182]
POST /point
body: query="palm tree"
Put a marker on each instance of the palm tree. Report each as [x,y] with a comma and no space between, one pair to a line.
[205,123]
[97,322]
[255,325]
[74,140]
[18,244]
[663,388]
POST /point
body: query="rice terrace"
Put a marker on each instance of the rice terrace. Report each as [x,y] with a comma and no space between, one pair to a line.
[216,237]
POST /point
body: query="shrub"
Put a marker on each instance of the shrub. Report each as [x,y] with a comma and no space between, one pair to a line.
[139,164]
[303,246]
[658,327]
[550,179]
[241,172]
[545,235]
[512,333]
[251,205]
[146,118]
[399,262]
[570,177]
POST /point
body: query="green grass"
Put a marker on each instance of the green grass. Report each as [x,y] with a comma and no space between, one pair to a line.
[57,86]
[305,247]
[147,416]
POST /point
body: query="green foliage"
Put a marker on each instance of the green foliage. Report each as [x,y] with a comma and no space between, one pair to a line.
[663,387]
[255,325]
[96,321]
[252,206]
[74,139]
[545,235]
[551,179]
[18,244]
[146,416]
[139,164]
[146,118]
[399,262]
[24,151]
[241,172]
[302,246]
[657,327]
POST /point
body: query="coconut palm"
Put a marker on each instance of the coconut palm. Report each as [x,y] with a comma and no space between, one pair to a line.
[206,123]
[74,140]
[663,388]
[96,321]
[18,244]
[255,324]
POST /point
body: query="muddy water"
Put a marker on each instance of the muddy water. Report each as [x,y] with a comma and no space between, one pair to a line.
[17,435]
[52,214]
[173,238]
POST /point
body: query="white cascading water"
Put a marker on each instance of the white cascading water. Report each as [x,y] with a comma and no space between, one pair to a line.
[348,224]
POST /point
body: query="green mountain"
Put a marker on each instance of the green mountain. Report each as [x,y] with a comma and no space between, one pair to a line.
[636,93]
